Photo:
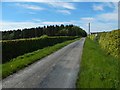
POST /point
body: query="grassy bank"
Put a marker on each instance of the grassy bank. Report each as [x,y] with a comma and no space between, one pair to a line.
[98,69]
[22,61]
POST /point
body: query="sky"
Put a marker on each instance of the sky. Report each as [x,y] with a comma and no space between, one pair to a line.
[19,14]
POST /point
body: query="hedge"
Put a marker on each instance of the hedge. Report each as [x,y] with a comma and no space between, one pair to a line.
[14,48]
[110,42]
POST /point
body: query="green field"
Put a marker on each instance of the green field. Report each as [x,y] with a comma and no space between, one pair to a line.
[98,69]
[22,61]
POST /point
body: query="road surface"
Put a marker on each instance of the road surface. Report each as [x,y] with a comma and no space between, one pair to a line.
[58,70]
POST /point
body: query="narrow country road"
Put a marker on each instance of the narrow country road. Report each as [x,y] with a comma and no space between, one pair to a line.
[58,70]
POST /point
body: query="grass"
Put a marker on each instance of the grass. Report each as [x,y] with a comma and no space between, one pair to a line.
[97,70]
[23,61]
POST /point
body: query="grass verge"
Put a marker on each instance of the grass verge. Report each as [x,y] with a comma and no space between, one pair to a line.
[97,70]
[23,61]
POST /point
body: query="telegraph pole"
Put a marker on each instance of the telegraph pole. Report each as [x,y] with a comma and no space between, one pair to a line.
[89,29]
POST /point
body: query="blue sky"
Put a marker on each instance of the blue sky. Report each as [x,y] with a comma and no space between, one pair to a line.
[102,15]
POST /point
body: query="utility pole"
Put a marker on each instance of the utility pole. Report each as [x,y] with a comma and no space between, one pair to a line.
[89,28]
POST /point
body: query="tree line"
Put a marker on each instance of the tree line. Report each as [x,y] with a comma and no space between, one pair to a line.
[52,30]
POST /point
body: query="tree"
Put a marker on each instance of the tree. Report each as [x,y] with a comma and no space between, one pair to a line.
[57,30]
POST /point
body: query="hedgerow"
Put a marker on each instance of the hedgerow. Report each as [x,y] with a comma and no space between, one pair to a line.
[110,42]
[14,48]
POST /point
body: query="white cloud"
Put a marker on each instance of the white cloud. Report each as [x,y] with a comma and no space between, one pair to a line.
[58,23]
[64,11]
[110,17]
[101,7]
[64,5]
[99,26]
[87,19]
[101,22]
[106,21]
[98,7]
[59,5]
[18,25]
[33,7]
[36,20]
[108,4]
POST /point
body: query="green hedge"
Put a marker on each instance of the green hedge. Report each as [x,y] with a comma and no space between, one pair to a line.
[110,41]
[14,48]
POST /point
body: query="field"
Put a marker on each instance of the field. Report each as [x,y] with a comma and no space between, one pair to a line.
[98,69]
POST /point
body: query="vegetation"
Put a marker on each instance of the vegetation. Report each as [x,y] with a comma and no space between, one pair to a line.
[14,48]
[19,42]
[111,42]
[23,47]
[62,30]
[22,61]
[98,69]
